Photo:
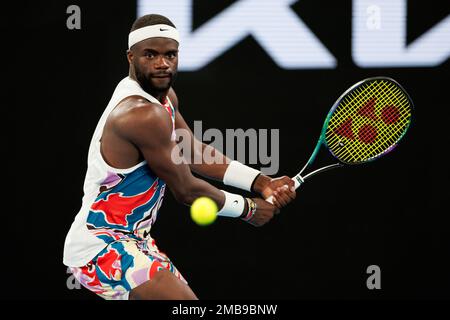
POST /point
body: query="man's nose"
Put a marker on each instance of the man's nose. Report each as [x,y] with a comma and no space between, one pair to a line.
[161,63]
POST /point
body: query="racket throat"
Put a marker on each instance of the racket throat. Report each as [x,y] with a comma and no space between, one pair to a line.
[323,169]
[298,180]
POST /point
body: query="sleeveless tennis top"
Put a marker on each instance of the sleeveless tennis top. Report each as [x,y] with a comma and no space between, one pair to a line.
[117,203]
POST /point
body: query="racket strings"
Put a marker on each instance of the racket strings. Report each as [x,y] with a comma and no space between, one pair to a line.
[349,100]
[367,131]
[383,143]
[368,121]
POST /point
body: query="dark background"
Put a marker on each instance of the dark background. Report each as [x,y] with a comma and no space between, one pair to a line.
[392,213]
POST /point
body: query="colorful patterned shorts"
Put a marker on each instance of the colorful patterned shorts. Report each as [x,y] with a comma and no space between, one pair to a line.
[122,266]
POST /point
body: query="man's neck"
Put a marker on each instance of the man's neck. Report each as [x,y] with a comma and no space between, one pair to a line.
[159,95]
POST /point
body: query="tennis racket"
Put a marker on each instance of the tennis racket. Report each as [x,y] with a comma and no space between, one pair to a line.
[364,124]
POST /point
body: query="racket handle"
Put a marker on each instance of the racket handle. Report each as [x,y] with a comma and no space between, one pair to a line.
[298,180]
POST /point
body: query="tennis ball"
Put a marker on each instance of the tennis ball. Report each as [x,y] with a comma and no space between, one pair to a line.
[204,211]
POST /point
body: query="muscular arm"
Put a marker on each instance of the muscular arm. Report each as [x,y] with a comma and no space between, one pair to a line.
[149,128]
[263,184]
[215,171]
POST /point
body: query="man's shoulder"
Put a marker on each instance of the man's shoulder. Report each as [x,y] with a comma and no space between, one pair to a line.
[137,113]
[136,108]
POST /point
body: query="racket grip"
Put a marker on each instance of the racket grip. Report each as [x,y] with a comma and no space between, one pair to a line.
[298,180]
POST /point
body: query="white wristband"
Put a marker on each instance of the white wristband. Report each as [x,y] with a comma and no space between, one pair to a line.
[233,207]
[240,176]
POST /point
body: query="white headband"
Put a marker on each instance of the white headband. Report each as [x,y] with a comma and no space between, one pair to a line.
[157,30]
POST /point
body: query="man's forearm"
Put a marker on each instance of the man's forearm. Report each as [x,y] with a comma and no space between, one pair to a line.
[230,204]
[216,169]
[207,168]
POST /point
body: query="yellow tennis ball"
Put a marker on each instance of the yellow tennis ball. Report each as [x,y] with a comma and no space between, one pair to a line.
[204,211]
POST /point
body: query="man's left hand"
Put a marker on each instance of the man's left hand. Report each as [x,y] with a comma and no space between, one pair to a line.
[282,189]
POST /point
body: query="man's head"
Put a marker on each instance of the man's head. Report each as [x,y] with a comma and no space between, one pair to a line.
[153,52]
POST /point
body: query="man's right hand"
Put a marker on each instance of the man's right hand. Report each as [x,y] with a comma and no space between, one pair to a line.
[264,212]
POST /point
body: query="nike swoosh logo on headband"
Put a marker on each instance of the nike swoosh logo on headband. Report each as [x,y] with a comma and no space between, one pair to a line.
[160,29]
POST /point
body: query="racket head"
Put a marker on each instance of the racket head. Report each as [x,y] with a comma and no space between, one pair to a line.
[367,121]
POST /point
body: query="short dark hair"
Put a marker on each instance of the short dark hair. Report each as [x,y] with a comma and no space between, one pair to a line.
[150,20]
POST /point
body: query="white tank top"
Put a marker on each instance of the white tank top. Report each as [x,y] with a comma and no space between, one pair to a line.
[117,203]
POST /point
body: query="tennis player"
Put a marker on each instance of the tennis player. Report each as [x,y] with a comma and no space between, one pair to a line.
[109,247]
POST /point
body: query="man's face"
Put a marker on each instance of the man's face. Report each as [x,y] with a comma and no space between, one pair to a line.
[155,62]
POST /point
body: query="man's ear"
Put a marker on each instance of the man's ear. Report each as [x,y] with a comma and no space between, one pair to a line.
[129,56]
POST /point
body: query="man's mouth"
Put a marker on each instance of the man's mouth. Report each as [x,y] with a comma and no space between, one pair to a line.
[162,76]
